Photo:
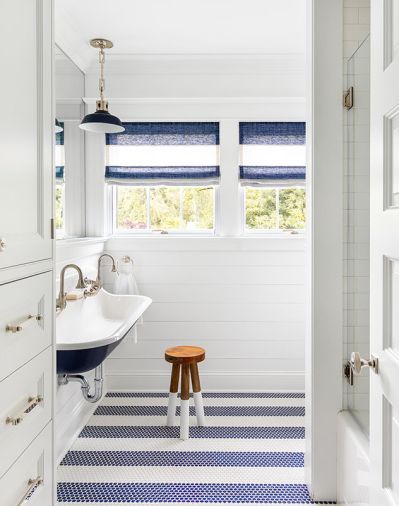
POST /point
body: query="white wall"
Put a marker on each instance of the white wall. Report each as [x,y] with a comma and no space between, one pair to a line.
[199,76]
[242,299]
[323,343]
[72,411]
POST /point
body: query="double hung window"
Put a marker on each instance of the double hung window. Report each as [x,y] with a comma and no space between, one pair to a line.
[164,176]
[272,174]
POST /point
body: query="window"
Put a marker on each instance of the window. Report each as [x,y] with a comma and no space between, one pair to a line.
[164,176]
[272,174]
[59,182]
[168,208]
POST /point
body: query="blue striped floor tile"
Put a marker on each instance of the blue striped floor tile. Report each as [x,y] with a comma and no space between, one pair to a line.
[209,411]
[173,471]
[183,459]
[216,395]
[148,493]
[144,431]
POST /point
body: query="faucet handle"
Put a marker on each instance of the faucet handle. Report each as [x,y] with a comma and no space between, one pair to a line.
[81,284]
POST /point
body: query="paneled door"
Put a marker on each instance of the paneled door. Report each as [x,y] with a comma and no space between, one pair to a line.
[26,131]
[384,254]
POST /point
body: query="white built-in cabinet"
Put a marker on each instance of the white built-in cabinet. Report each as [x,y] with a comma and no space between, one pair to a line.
[27,356]
[26,131]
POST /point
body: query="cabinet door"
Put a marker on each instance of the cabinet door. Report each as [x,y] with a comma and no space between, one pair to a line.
[26,131]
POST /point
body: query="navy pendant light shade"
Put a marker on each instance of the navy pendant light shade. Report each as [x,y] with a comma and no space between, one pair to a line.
[101,121]
[58,127]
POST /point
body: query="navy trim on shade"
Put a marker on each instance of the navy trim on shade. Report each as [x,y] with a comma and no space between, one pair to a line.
[138,173]
[166,133]
[59,172]
[283,133]
[271,173]
[59,137]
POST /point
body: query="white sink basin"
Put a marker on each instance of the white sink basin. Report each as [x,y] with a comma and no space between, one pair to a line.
[98,321]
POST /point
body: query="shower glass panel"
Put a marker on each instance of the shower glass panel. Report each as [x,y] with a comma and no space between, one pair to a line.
[357,227]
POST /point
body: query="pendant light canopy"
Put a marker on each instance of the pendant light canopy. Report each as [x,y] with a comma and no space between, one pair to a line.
[101,121]
[58,128]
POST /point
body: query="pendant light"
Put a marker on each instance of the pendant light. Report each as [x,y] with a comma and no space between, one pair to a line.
[101,121]
[58,128]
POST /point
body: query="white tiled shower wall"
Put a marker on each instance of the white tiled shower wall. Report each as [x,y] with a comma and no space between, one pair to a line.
[353,462]
[356,197]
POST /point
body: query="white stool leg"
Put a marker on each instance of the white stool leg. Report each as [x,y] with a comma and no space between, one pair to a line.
[184,419]
[199,405]
[174,386]
[199,409]
[185,402]
[171,419]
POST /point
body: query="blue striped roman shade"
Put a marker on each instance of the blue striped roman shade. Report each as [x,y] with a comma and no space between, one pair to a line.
[60,155]
[167,153]
[272,153]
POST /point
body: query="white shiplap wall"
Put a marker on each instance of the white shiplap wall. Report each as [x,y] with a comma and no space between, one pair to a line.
[242,299]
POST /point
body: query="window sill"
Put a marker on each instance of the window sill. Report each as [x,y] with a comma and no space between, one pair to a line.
[65,242]
[168,242]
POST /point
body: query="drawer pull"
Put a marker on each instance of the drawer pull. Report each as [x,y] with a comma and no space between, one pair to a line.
[32,484]
[19,327]
[32,403]
[2,244]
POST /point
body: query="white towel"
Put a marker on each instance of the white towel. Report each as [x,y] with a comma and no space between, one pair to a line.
[125,284]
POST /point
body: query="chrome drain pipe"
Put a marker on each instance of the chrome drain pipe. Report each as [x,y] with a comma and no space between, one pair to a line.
[64,379]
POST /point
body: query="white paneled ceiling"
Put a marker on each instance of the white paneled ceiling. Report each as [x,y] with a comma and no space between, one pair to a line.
[181,27]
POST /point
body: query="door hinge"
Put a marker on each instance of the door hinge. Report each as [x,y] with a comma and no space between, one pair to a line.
[348,98]
[52,228]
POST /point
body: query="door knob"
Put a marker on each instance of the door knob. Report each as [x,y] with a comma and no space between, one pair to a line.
[2,244]
[358,363]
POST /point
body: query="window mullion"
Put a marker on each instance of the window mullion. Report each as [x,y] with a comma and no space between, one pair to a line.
[181,208]
[147,190]
[277,208]
[229,191]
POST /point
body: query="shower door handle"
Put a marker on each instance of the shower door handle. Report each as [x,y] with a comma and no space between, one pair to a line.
[358,363]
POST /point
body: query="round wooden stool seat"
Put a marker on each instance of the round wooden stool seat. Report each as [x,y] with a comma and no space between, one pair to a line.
[184,354]
[184,360]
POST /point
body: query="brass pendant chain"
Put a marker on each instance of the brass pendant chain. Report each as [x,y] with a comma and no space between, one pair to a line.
[101,82]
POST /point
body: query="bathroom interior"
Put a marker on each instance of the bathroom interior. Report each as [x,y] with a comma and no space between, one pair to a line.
[171,300]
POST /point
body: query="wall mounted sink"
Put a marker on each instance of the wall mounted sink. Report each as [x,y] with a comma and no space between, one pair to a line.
[89,329]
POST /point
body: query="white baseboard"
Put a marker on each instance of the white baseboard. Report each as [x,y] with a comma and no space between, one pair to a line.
[212,381]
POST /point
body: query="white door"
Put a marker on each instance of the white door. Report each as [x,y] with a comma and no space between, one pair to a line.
[384,254]
[26,131]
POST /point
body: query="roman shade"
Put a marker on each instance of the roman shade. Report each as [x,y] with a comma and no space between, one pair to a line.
[164,153]
[273,153]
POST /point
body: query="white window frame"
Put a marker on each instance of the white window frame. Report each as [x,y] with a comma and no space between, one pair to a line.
[276,230]
[148,231]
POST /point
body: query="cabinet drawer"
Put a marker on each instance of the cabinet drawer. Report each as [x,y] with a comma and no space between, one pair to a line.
[25,320]
[25,406]
[33,470]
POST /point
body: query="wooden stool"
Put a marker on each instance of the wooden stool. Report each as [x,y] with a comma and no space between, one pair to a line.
[185,358]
